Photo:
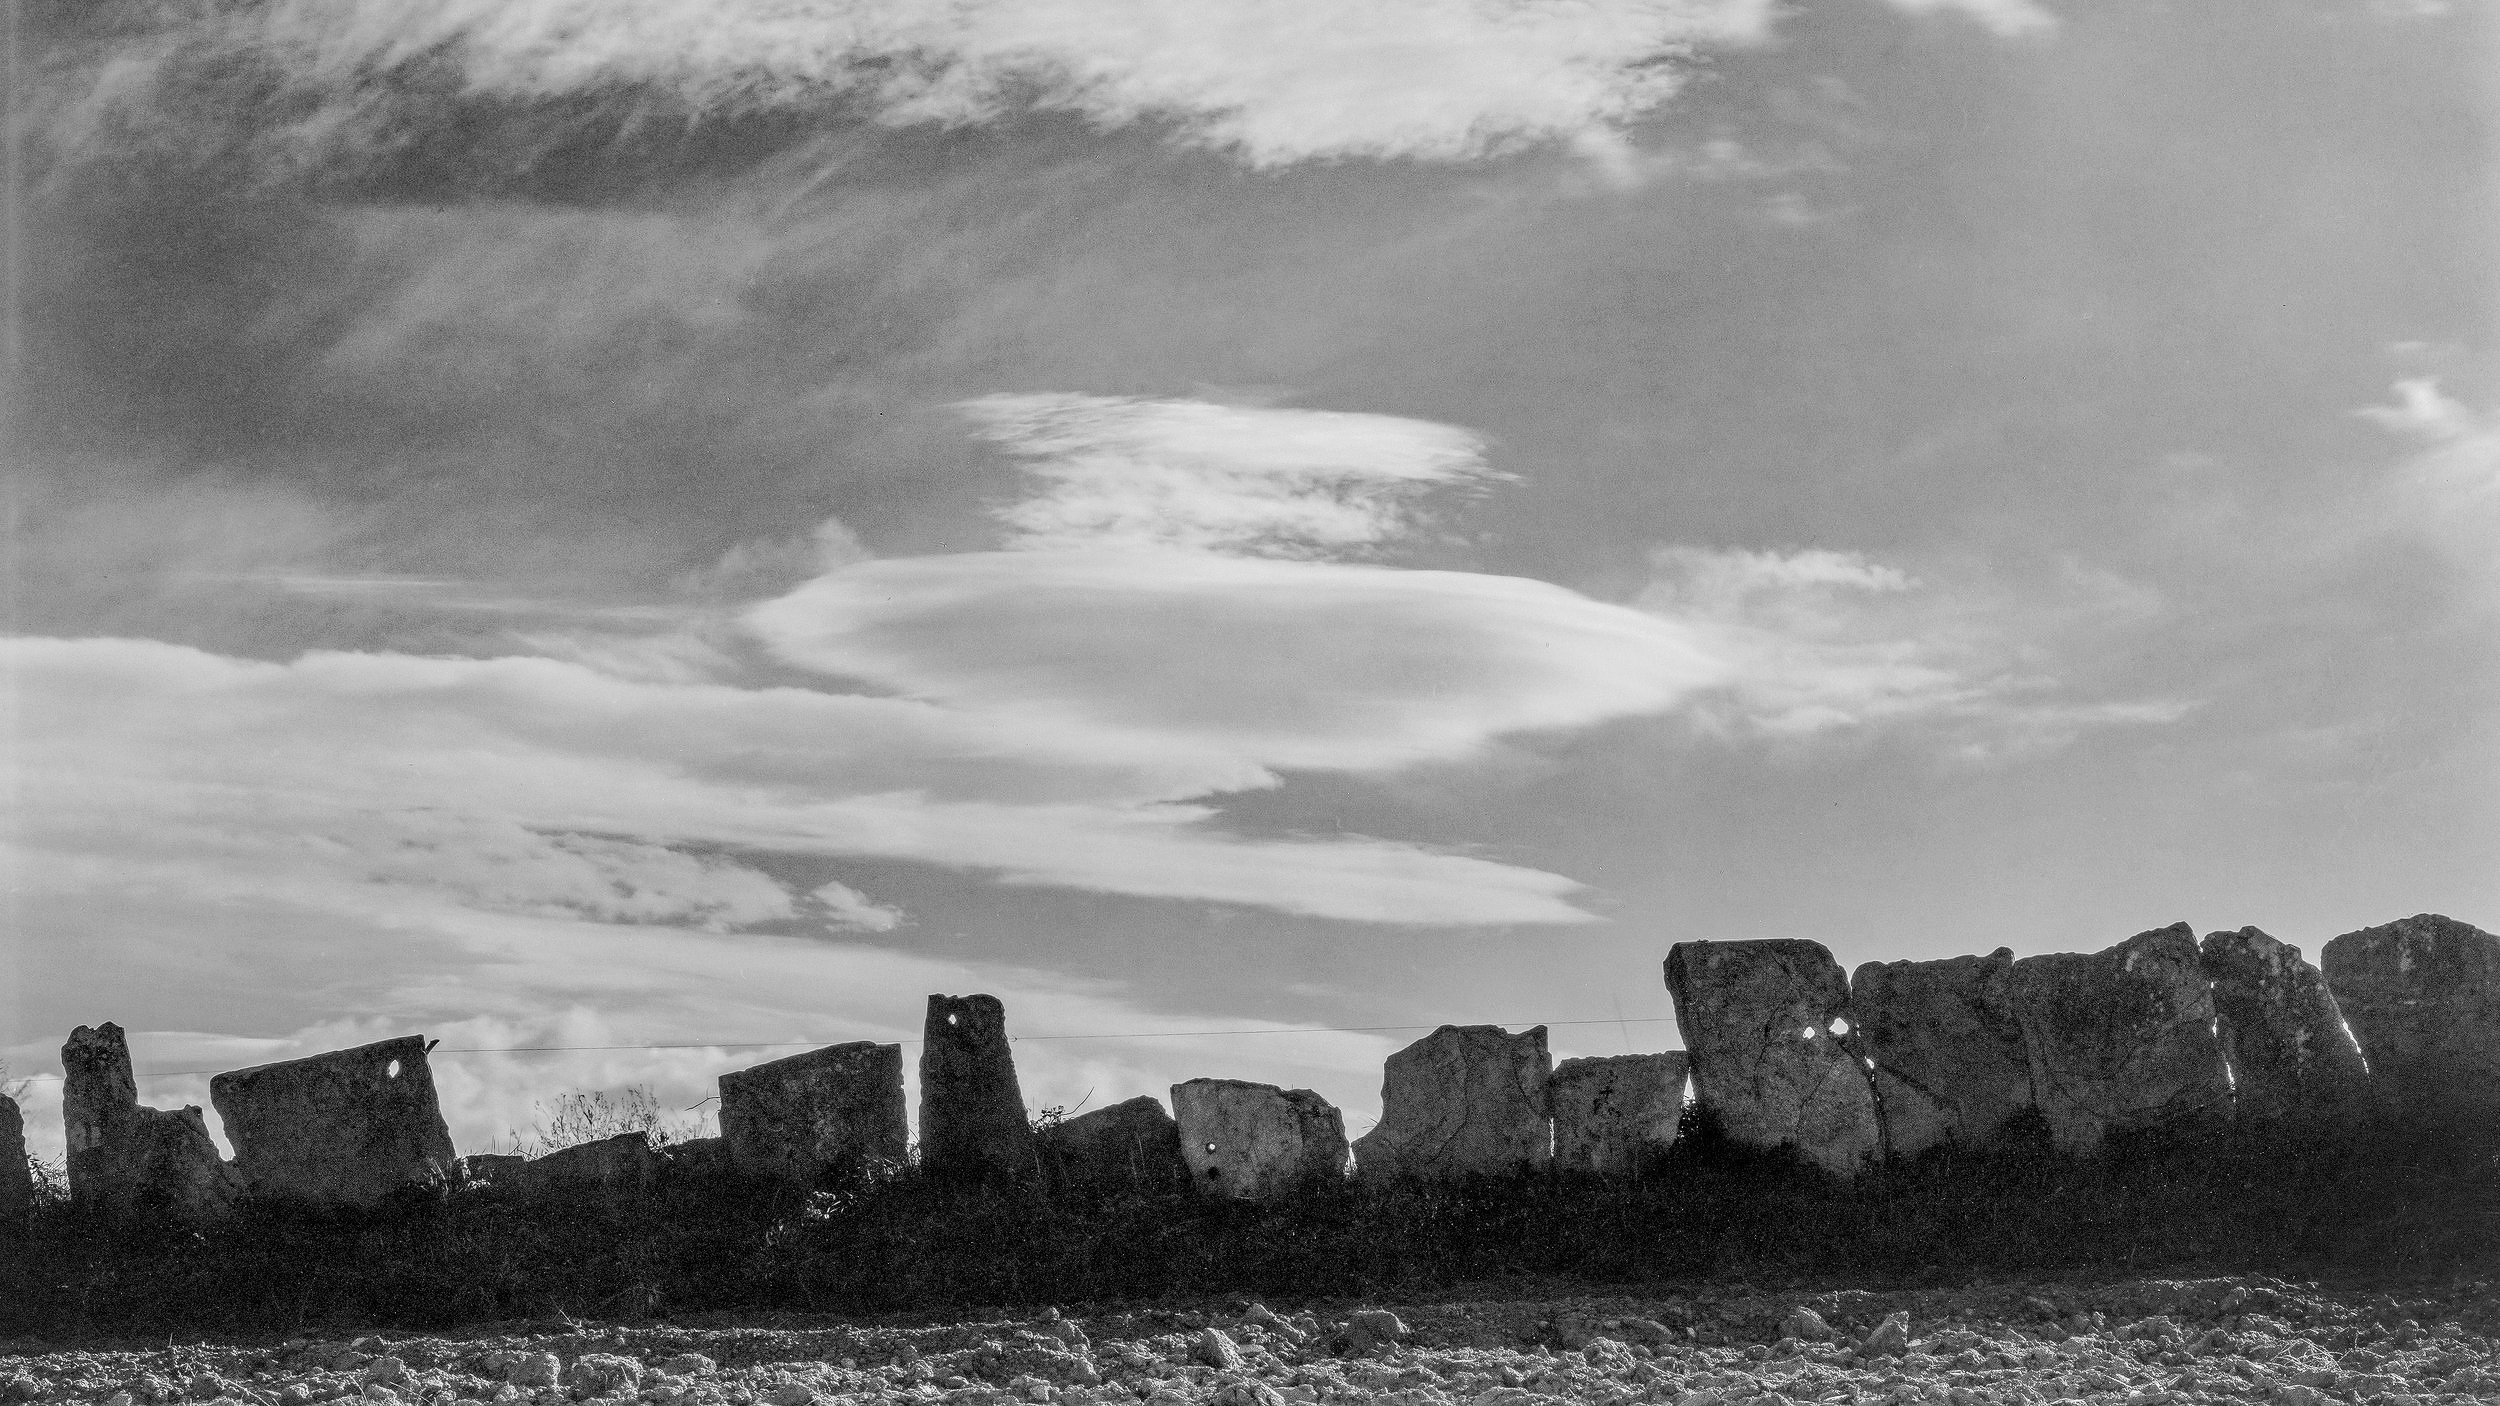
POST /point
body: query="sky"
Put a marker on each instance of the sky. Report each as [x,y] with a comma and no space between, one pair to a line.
[637,536]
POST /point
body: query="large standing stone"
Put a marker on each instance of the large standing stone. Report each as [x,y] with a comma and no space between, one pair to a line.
[1132,1146]
[125,1159]
[17,1176]
[1616,1113]
[1950,1061]
[2423,996]
[346,1128]
[972,1118]
[2121,1038]
[837,1110]
[1257,1141]
[1761,1022]
[1465,1099]
[2291,1055]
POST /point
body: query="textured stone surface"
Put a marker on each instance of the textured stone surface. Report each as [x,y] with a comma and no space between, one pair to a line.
[836,1111]
[1761,1024]
[1257,1141]
[972,1118]
[2423,997]
[1950,1061]
[2121,1038]
[1132,1146]
[502,1168]
[1464,1099]
[347,1127]
[125,1159]
[1616,1113]
[17,1180]
[2291,1054]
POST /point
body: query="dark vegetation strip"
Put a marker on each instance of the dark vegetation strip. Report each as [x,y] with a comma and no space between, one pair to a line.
[2391,1203]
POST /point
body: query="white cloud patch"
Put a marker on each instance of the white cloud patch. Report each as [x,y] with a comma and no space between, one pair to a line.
[848,910]
[2010,19]
[2449,490]
[1824,643]
[1270,81]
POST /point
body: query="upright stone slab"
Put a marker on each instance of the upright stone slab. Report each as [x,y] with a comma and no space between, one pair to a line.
[1464,1100]
[1616,1114]
[837,1111]
[2292,1057]
[1951,1064]
[2122,1038]
[2423,997]
[17,1176]
[345,1128]
[1761,1023]
[1257,1141]
[1132,1146]
[972,1118]
[129,1160]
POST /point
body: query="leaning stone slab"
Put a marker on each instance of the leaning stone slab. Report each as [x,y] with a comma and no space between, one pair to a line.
[17,1176]
[128,1160]
[2122,1038]
[2423,996]
[1132,1146]
[2292,1056]
[1463,1100]
[837,1111]
[1257,1141]
[1761,1023]
[1616,1114]
[1950,1061]
[346,1128]
[625,1160]
[972,1118]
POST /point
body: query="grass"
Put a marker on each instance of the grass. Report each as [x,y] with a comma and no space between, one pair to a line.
[2388,1202]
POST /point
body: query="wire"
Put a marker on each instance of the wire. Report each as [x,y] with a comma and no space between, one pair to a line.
[1013,1039]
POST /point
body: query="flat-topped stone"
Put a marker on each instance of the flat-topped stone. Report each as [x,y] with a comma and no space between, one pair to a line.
[972,1117]
[1463,1100]
[2292,1056]
[2122,1038]
[1132,1146]
[2422,995]
[346,1127]
[1616,1114]
[1951,1064]
[125,1159]
[1257,1141]
[833,1112]
[1763,1023]
[625,1160]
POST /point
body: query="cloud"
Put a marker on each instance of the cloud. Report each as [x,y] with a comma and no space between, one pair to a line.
[849,910]
[2009,19]
[1270,82]
[1188,474]
[2449,489]
[1826,643]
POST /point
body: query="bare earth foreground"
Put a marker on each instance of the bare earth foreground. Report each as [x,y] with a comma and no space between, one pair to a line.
[2141,1342]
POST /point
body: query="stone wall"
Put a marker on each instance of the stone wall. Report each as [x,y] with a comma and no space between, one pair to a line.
[1766,1026]
[348,1127]
[17,1175]
[2423,998]
[1465,1099]
[126,1159]
[972,1118]
[1616,1114]
[836,1111]
[1257,1141]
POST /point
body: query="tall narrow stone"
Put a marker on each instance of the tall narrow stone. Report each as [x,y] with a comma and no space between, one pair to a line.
[1464,1100]
[972,1118]
[836,1111]
[2423,996]
[2292,1056]
[1256,1141]
[1616,1114]
[17,1175]
[1950,1061]
[346,1127]
[2121,1038]
[1762,1024]
[1132,1146]
[125,1159]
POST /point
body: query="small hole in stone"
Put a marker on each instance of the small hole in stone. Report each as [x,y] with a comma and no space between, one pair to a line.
[1210,1149]
[392,1072]
[1840,1025]
[954,1019]
[1808,1033]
